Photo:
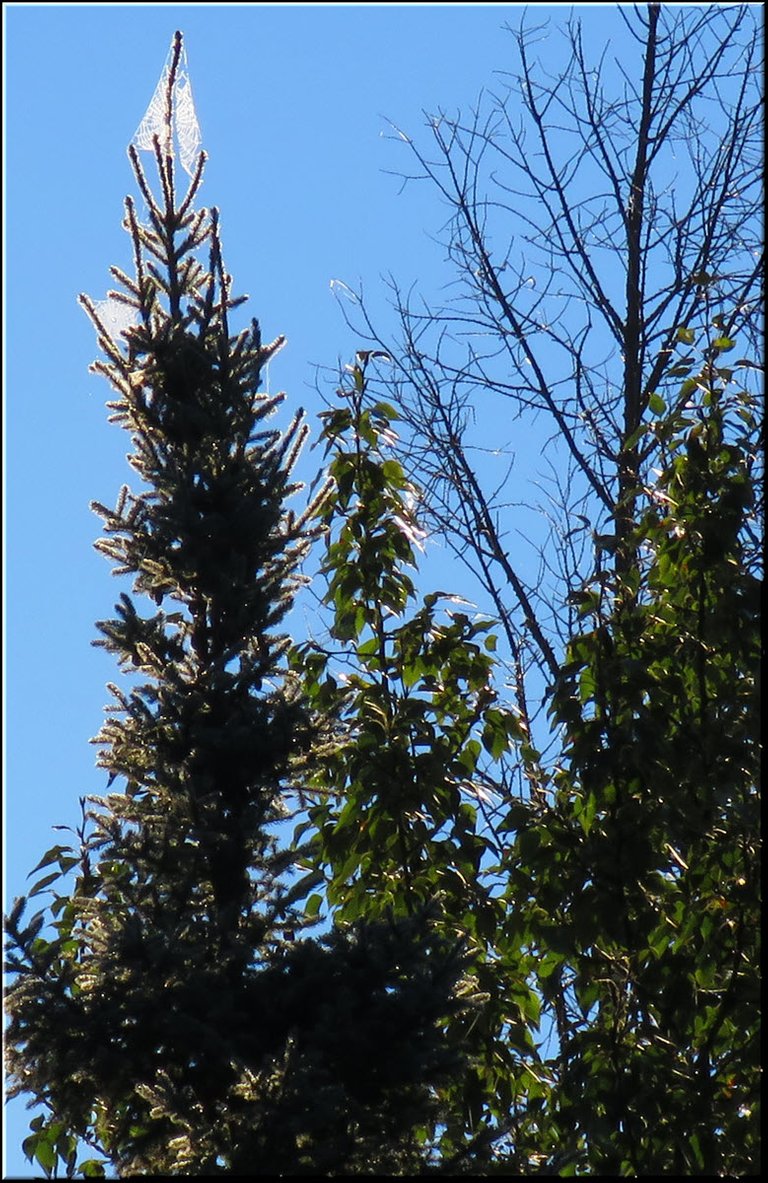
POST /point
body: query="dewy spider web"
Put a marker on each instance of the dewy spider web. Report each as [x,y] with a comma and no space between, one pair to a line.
[184,117]
[115,315]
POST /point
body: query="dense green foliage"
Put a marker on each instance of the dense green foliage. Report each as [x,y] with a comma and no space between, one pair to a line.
[539,946]
[639,884]
[401,788]
[623,892]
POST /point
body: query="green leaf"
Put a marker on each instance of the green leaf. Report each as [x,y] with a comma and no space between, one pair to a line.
[45,1153]
[92,1168]
[529,842]
[635,436]
[694,1142]
[46,881]
[51,856]
[385,411]
[746,363]
[518,816]
[393,473]
[313,905]
[469,755]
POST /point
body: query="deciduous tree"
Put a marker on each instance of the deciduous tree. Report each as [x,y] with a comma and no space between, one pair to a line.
[604,253]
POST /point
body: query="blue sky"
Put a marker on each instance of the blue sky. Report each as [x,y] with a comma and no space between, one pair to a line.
[293,102]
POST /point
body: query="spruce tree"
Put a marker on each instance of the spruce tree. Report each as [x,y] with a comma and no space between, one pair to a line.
[168,1009]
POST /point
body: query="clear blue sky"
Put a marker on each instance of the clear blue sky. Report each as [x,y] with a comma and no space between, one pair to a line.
[293,102]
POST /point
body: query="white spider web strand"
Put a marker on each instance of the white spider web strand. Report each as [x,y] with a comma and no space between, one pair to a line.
[184,118]
[187,127]
[153,123]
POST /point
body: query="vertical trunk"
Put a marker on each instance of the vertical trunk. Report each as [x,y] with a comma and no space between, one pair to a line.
[633,331]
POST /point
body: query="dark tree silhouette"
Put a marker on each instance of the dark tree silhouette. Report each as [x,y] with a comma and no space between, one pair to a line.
[172,1013]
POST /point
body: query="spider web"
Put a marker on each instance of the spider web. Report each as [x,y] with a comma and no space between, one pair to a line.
[116,316]
[184,118]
